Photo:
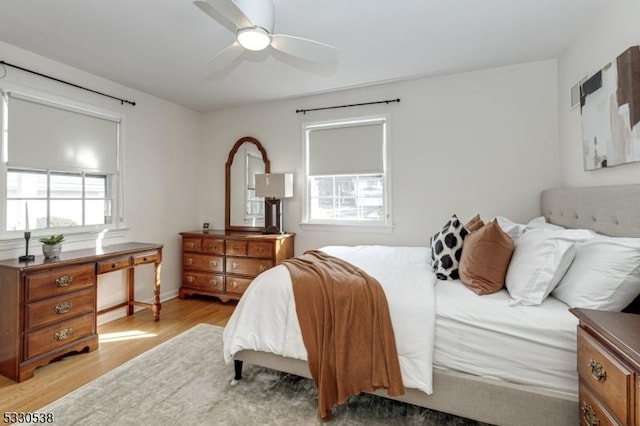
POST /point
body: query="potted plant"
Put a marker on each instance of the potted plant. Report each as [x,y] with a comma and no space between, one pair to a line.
[52,246]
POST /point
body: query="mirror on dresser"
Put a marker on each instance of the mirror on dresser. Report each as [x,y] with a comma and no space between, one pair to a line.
[243,210]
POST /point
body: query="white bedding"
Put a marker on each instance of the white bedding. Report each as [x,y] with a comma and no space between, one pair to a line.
[265,318]
[483,335]
[480,335]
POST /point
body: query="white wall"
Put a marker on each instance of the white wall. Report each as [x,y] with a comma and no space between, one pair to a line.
[482,141]
[610,34]
[160,150]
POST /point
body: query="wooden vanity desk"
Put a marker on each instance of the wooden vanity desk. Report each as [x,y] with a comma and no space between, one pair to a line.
[48,308]
[223,263]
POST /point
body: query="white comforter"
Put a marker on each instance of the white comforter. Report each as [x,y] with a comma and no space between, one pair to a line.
[486,336]
[266,320]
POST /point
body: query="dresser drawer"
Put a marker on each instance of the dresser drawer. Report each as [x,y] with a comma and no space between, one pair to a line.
[237,285]
[609,380]
[191,244]
[236,248]
[114,264]
[59,335]
[202,281]
[58,308]
[60,281]
[151,257]
[213,246]
[260,249]
[247,266]
[592,413]
[202,262]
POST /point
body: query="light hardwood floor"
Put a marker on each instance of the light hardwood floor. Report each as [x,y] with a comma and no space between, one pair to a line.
[120,341]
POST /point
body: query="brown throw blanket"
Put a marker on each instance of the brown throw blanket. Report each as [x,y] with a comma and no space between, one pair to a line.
[346,329]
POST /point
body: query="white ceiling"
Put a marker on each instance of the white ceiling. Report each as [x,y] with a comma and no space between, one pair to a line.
[161,46]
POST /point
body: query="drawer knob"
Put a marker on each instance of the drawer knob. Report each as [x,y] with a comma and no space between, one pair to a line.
[234,284]
[234,265]
[63,334]
[63,308]
[191,244]
[190,278]
[260,249]
[589,415]
[597,371]
[261,268]
[213,282]
[190,260]
[64,281]
[213,263]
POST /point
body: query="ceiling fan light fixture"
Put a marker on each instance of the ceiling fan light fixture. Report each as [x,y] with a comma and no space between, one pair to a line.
[254,38]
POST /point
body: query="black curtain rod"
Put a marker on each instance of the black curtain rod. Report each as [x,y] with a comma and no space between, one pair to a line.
[122,101]
[388,101]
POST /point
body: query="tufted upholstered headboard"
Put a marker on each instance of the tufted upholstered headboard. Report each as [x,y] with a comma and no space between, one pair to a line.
[608,210]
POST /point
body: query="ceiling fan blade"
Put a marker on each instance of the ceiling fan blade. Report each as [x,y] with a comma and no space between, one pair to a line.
[304,48]
[223,59]
[226,12]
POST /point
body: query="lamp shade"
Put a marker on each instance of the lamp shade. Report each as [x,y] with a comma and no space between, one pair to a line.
[254,38]
[274,185]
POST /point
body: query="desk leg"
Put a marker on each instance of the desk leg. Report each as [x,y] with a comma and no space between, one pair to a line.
[156,291]
[130,289]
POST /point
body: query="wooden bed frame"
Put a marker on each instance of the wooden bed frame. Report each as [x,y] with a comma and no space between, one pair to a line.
[613,211]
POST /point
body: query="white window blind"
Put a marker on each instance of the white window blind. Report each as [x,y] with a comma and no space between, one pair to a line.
[356,148]
[46,136]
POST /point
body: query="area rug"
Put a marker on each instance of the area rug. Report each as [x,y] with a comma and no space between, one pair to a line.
[184,381]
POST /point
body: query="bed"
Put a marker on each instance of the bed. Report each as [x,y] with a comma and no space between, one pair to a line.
[527,378]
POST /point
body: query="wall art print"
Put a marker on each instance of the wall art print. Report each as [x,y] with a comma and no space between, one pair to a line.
[610,109]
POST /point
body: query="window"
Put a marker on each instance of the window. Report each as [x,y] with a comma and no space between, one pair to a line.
[60,165]
[56,200]
[347,173]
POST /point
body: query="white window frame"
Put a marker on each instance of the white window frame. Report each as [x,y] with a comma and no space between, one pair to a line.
[109,179]
[15,239]
[385,226]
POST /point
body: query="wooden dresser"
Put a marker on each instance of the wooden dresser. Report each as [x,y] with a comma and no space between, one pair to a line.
[48,307]
[223,264]
[608,367]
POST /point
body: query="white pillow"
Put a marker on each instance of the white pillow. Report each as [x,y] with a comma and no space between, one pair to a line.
[541,223]
[514,230]
[539,261]
[605,274]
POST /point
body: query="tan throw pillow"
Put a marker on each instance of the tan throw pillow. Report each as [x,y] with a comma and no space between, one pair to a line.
[474,223]
[485,259]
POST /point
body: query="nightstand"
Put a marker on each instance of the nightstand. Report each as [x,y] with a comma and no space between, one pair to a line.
[608,367]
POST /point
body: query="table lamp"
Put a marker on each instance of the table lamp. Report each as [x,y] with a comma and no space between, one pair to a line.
[274,187]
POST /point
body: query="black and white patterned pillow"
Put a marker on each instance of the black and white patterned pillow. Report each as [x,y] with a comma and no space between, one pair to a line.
[446,249]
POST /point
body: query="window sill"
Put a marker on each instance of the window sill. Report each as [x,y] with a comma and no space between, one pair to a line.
[347,227]
[13,241]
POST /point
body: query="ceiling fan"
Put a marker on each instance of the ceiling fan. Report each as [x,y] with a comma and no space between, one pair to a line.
[252,22]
